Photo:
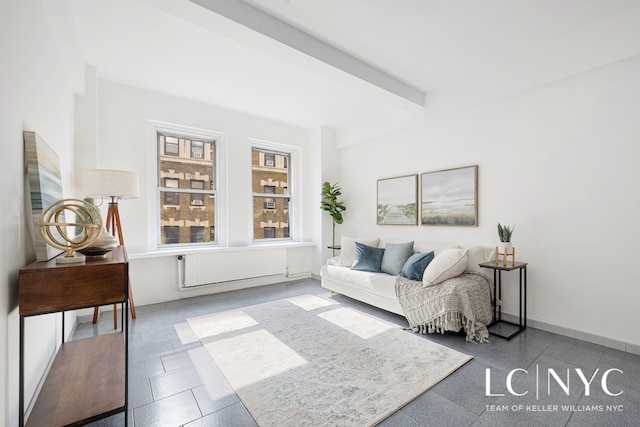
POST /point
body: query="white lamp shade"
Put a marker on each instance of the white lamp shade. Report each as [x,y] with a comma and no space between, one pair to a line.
[110,183]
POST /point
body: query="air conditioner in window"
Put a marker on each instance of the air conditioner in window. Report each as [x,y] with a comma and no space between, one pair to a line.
[197,202]
[270,163]
[269,205]
[197,155]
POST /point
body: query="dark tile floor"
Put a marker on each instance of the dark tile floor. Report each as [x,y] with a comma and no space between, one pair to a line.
[176,384]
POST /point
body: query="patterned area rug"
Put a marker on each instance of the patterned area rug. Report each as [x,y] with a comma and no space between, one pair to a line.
[308,361]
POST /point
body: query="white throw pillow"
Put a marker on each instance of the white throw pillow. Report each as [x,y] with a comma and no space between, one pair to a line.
[448,263]
[348,248]
[477,255]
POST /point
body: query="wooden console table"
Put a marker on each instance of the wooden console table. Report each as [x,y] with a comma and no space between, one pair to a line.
[88,378]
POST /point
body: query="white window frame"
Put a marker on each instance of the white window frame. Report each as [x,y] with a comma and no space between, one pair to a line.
[221,220]
[294,184]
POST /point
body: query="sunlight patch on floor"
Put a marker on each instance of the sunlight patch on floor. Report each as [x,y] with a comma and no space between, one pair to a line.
[357,323]
[253,357]
[185,333]
[310,302]
[219,323]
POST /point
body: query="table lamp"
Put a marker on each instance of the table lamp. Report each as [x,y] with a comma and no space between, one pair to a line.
[117,185]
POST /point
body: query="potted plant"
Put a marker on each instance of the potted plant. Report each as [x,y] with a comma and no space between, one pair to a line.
[331,204]
[504,233]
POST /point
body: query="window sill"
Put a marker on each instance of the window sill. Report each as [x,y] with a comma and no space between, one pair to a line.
[186,250]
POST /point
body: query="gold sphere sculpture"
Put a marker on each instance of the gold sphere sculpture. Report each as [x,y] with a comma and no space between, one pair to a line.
[54,227]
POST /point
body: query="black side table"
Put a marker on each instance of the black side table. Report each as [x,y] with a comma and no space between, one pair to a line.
[497,295]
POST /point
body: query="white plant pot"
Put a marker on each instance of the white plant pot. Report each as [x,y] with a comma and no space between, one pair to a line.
[505,248]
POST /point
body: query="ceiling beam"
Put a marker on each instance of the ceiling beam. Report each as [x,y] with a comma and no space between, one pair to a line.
[402,94]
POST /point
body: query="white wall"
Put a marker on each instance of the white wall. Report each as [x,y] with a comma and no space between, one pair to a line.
[38,75]
[125,142]
[561,162]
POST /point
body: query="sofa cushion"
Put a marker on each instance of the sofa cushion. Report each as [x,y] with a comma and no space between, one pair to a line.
[448,263]
[348,248]
[478,255]
[377,289]
[394,257]
[414,268]
[368,258]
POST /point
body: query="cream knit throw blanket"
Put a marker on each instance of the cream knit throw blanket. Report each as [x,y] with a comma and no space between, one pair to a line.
[461,302]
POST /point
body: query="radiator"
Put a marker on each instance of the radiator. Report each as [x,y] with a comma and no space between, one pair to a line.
[227,266]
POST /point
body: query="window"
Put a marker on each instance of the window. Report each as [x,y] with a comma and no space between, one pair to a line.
[197,150]
[270,160]
[197,199]
[271,193]
[270,204]
[269,232]
[171,146]
[171,198]
[171,234]
[196,233]
[186,189]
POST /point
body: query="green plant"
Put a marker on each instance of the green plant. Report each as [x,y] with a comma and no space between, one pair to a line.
[505,232]
[330,203]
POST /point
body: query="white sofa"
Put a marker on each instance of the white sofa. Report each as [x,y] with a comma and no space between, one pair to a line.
[378,289]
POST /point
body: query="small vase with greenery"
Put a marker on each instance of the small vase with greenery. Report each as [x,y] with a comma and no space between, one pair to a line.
[331,204]
[504,233]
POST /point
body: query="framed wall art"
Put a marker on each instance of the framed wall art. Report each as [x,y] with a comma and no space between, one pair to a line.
[44,185]
[398,201]
[450,197]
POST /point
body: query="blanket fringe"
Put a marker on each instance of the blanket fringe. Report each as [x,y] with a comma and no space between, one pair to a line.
[453,321]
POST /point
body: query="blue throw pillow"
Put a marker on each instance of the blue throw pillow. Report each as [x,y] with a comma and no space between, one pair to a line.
[395,255]
[368,258]
[414,268]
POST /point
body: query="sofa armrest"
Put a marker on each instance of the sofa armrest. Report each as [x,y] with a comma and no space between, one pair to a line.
[336,260]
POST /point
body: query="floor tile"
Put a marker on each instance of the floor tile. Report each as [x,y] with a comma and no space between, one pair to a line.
[176,361]
[213,397]
[574,422]
[139,393]
[602,410]
[510,355]
[628,363]
[467,386]
[235,415]
[139,352]
[173,381]
[506,419]
[432,409]
[585,360]
[401,419]
[583,347]
[145,369]
[172,411]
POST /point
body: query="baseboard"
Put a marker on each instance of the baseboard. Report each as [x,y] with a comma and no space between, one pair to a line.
[215,288]
[580,335]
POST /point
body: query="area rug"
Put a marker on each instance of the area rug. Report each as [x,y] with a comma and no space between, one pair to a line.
[308,361]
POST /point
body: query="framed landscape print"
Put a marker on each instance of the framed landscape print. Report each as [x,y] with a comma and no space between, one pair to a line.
[398,201]
[450,197]
[44,186]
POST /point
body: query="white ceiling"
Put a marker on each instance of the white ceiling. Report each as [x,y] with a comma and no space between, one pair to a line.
[180,48]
